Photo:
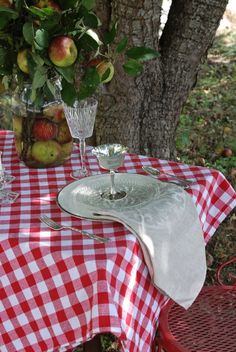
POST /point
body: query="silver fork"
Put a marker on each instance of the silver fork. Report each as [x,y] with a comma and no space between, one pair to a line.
[56,226]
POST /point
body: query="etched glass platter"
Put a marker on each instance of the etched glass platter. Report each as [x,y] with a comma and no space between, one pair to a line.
[82,198]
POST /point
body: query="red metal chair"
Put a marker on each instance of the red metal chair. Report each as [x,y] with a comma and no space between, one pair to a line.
[209,325]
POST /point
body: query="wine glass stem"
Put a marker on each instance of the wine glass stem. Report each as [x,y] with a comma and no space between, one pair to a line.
[82,147]
[112,175]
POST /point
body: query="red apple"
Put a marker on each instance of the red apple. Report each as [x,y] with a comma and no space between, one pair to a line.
[48,3]
[43,130]
[22,60]
[105,68]
[62,51]
[94,62]
[227,152]
[54,112]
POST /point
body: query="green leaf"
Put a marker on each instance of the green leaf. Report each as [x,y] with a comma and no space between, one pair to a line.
[110,36]
[3,20]
[31,64]
[9,12]
[28,32]
[133,67]
[142,53]
[32,95]
[122,45]
[42,38]
[68,73]
[40,77]
[52,23]
[51,87]
[89,41]
[68,93]
[91,20]
[39,99]
[42,13]
[37,59]
[89,83]
[88,4]
[67,4]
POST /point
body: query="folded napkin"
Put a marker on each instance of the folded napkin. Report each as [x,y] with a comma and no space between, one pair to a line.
[170,234]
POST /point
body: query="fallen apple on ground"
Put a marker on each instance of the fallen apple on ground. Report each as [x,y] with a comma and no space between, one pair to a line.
[62,51]
[227,152]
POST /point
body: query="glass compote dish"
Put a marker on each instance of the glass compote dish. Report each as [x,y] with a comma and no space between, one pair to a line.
[111,157]
[6,197]
[80,119]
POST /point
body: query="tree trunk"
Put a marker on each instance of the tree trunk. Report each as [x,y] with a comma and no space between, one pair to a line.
[144,112]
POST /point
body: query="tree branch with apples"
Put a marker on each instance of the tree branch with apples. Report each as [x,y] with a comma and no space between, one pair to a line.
[43,40]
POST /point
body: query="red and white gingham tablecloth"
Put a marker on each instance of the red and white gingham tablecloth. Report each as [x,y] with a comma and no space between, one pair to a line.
[59,289]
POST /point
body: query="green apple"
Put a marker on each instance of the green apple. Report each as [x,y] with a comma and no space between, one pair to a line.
[62,51]
[105,69]
[17,125]
[22,60]
[46,152]
[63,135]
[67,150]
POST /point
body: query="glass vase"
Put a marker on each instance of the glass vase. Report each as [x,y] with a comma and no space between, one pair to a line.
[42,136]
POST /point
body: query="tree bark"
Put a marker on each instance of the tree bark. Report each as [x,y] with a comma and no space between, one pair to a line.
[145,111]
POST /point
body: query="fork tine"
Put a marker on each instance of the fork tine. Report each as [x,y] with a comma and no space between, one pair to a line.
[56,226]
[44,218]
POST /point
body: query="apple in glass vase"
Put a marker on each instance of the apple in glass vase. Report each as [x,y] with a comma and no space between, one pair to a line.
[62,51]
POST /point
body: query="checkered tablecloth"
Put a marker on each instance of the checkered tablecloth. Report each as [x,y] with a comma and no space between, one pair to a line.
[59,289]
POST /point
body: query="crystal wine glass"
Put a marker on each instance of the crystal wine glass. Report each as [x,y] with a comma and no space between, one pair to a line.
[81,119]
[110,157]
[6,197]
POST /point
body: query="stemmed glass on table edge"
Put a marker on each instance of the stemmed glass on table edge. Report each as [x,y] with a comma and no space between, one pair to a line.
[81,118]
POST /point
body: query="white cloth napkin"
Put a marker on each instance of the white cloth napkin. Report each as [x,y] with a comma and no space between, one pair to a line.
[171,238]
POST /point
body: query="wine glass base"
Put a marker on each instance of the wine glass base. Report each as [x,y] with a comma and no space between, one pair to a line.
[115,196]
[7,197]
[8,178]
[76,175]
